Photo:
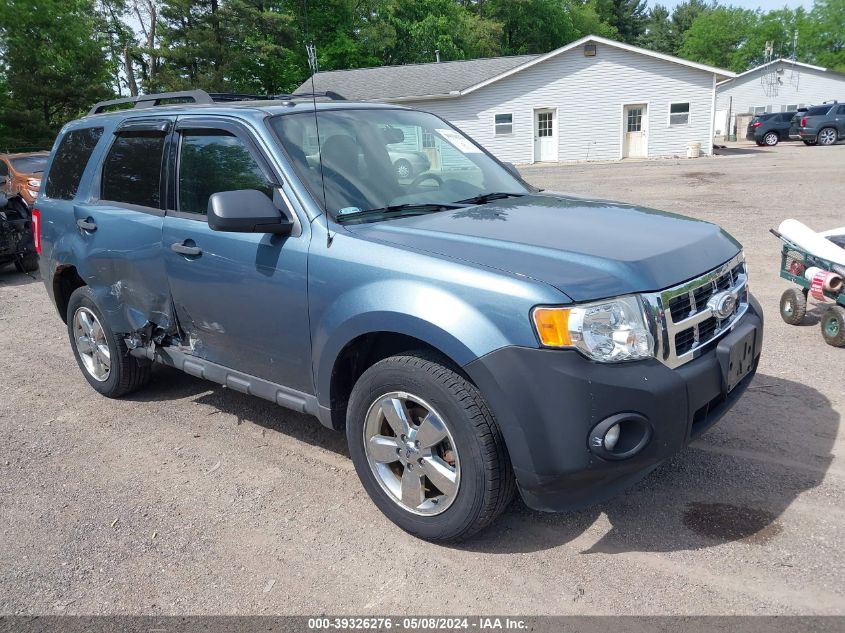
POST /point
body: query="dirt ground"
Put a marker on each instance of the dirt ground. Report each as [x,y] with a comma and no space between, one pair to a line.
[190,498]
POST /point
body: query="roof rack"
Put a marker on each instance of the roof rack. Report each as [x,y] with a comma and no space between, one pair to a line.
[201,96]
[328,94]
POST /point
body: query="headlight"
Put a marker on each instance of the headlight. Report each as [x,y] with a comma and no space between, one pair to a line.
[607,331]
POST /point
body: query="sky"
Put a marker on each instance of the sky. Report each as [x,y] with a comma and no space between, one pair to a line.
[766,5]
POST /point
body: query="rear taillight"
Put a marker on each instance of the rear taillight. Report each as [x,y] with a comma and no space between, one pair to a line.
[36,229]
[757,124]
[804,122]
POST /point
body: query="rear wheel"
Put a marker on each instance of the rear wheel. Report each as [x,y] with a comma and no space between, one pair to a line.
[833,326]
[427,449]
[827,136]
[793,306]
[101,354]
[771,138]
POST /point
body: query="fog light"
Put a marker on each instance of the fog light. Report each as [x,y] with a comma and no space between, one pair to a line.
[611,437]
[619,436]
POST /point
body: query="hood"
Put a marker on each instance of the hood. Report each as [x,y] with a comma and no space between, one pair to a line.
[587,249]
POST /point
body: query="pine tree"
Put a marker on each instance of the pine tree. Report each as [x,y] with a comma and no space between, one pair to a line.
[54,66]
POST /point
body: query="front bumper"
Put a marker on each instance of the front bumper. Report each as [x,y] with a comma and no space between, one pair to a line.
[547,401]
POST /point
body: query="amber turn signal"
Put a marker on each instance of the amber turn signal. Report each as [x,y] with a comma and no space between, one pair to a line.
[552,326]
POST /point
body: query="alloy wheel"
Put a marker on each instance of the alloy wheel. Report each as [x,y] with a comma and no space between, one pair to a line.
[403,170]
[771,138]
[91,344]
[411,453]
[827,136]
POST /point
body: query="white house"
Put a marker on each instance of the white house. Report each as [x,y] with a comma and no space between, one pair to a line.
[593,99]
[781,85]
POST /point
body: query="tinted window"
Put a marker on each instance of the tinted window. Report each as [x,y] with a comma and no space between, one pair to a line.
[4,169]
[30,164]
[132,169]
[841,110]
[69,162]
[818,110]
[212,161]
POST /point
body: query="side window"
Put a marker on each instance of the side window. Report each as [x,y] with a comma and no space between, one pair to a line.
[678,113]
[132,169]
[841,110]
[4,168]
[211,161]
[69,162]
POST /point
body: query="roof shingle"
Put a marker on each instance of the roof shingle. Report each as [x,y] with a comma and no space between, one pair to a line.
[412,80]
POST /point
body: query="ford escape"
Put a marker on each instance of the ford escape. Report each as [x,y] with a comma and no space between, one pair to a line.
[473,336]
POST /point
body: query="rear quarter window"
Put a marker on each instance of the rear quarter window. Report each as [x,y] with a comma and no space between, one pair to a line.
[132,169]
[818,110]
[69,162]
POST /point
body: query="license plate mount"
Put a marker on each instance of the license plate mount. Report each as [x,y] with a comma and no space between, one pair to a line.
[736,355]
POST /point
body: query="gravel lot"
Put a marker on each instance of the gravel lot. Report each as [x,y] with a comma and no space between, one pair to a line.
[190,498]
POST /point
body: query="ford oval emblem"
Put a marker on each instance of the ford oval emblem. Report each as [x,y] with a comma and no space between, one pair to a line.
[722,305]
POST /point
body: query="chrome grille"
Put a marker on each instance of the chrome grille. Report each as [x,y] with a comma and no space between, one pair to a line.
[683,319]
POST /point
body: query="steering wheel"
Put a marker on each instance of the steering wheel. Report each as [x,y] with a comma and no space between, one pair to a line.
[427,176]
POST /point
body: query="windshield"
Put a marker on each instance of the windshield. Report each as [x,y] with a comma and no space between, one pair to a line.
[29,164]
[376,159]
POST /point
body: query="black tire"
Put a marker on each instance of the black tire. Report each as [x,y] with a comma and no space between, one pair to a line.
[759,143]
[827,139]
[126,373]
[833,326]
[793,306]
[487,483]
[770,139]
[403,168]
[27,264]
[806,142]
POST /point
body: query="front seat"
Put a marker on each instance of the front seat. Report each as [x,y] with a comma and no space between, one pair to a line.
[341,157]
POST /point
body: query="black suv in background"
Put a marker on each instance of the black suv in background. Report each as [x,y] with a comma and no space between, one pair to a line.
[823,124]
[769,128]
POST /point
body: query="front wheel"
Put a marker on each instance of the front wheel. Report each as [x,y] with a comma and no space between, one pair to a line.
[770,139]
[427,448]
[793,306]
[833,326]
[403,168]
[827,136]
[101,354]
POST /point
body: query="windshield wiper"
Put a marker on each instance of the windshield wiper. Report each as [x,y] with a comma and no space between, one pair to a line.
[411,207]
[484,198]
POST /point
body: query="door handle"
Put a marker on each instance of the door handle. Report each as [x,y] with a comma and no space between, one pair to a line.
[87,224]
[183,248]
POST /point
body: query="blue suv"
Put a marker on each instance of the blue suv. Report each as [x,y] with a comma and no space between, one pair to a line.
[472,334]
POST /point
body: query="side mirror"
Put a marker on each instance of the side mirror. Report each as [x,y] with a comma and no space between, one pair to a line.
[513,170]
[3,181]
[246,211]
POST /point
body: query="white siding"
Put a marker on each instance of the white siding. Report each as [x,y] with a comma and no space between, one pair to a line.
[588,93]
[801,85]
